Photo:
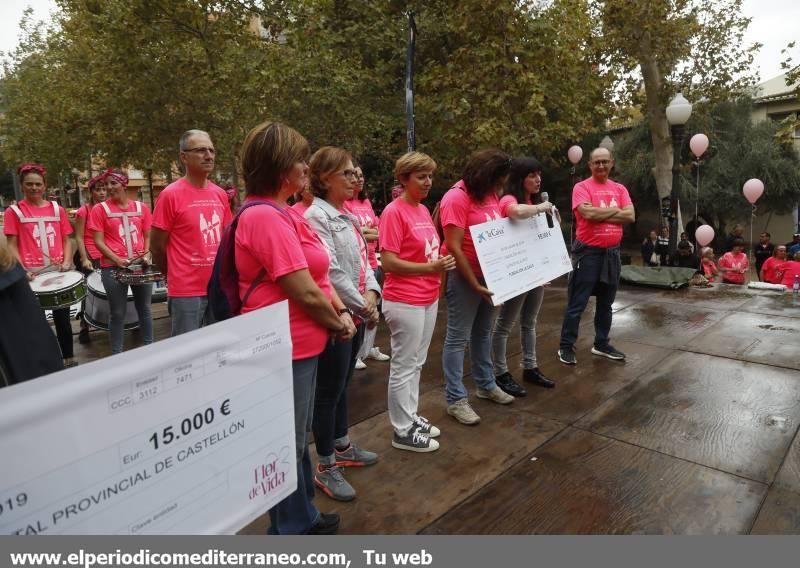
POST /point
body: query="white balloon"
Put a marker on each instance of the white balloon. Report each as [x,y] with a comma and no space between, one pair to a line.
[575,154]
[698,144]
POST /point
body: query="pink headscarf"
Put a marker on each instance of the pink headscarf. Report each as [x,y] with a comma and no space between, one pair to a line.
[32,167]
[121,178]
[95,180]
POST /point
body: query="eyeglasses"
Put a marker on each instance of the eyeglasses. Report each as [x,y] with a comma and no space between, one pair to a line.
[201,150]
[348,174]
[601,162]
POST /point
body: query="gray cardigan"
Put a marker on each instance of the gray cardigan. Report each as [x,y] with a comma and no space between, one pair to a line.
[336,229]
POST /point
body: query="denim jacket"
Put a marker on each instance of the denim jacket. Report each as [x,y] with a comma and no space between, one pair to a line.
[337,230]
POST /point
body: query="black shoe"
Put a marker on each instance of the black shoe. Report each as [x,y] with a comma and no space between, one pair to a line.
[609,352]
[328,523]
[509,386]
[536,377]
[83,337]
[567,356]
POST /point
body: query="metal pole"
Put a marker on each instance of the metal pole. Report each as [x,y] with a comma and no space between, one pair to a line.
[150,186]
[677,139]
[696,200]
[411,137]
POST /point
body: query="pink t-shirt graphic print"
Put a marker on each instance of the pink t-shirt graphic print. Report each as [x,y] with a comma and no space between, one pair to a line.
[194,218]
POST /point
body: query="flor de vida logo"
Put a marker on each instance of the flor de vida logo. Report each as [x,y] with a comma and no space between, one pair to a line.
[271,474]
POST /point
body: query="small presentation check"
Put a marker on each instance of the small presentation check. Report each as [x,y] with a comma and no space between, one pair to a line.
[190,435]
[517,255]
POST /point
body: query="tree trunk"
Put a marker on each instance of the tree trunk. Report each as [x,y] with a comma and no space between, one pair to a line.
[657,119]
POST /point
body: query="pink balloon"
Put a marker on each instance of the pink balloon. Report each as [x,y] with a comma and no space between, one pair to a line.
[752,189]
[575,154]
[698,144]
[704,235]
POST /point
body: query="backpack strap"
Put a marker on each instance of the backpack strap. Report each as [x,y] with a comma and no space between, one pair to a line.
[235,223]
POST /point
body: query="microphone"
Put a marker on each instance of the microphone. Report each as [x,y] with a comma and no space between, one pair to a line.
[546,197]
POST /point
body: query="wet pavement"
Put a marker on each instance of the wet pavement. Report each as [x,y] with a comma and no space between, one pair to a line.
[695,434]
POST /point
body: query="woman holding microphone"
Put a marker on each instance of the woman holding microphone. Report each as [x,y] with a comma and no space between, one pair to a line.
[522,200]
[413,267]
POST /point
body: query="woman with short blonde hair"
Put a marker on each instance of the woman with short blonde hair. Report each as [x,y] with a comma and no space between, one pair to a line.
[410,258]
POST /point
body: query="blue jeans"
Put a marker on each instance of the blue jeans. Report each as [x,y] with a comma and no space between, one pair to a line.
[188,313]
[469,319]
[585,282]
[525,306]
[336,365]
[118,306]
[297,514]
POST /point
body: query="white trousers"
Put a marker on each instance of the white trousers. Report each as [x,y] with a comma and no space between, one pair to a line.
[369,342]
[411,329]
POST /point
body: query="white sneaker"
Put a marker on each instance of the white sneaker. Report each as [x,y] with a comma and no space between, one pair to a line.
[462,411]
[360,365]
[495,395]
[376,354]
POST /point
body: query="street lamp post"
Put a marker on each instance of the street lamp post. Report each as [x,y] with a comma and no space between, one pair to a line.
[149,167]
[608,144]
[678,113]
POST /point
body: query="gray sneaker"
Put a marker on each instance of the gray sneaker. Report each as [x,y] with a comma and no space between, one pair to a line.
[423,426]
[495,395]
[331,481]
[462,411]
[355,457]
[414,441]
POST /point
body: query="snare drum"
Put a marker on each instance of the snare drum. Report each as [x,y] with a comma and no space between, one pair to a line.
[98,310]
[59,289]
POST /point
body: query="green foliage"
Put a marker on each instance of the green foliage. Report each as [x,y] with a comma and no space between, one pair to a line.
[739,150]
[122,79]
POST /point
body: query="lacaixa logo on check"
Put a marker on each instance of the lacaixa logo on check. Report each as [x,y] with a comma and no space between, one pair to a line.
[490,234]
[270,476]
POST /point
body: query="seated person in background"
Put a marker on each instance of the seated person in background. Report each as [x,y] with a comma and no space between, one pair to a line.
[685,239]
[791,269]
[795,241]
[734,264]
[684,257]
[662,246]
[710,270]
[649,256]
[772,269]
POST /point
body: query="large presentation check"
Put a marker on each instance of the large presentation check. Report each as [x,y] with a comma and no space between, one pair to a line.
[519,255]
[190,435]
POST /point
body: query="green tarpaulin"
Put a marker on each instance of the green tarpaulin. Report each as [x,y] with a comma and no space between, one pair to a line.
[668,277]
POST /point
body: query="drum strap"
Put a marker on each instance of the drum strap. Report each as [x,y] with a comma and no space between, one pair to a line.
[126,226]
[42,222]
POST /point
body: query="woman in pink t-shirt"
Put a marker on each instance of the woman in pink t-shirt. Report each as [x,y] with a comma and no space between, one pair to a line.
[470,314]
[710,270]
[121,230]
[303,199]
[734,264]
[87,257]
[413,266]
[789,270]
[361,208]
[521,201]
[771,270]
[288,262]
[38,232]
[332,181]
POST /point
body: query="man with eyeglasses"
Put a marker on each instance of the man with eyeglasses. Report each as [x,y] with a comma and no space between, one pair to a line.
[601,207]
[188,221]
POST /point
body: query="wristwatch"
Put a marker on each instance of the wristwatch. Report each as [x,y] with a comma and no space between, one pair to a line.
[345,311]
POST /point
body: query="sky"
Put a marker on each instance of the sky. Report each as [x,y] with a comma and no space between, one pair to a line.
[774,24]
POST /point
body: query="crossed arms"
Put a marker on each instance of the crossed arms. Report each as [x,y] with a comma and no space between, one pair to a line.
[613,215]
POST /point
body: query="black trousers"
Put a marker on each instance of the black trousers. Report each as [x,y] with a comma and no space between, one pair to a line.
[63,331]
[336,365]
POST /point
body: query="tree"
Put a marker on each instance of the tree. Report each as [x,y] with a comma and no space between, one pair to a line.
[739,150]
[692,46]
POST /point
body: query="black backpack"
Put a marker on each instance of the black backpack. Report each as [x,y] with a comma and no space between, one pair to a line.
[223,287]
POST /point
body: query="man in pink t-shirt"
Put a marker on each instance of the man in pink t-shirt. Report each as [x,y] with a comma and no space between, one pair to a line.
[601,207]
[188,221]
